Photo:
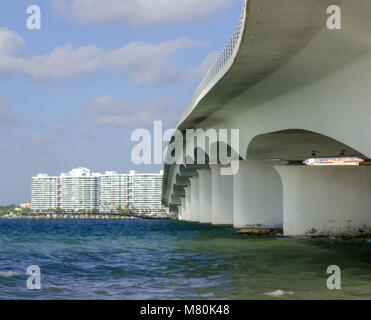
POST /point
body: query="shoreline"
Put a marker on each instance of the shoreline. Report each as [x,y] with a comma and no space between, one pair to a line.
[83,217]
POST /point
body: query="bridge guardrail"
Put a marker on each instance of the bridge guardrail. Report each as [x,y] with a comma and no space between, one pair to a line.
[217,68]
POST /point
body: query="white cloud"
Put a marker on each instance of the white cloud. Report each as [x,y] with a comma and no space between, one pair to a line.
[72,131]
[7,116]
[38,141]
[139,12]
[85,132]
[201,70]
[62,63]
[10,45]
[10,42]
[59,128]
[110,111]
[143,63]
[148,63]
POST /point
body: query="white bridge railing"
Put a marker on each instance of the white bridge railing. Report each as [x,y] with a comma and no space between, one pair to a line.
[218,69]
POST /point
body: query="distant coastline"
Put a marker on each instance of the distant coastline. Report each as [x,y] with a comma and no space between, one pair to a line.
[16,212]
[85,216]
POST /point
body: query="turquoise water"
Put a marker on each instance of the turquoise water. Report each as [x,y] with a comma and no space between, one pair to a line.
[133,259]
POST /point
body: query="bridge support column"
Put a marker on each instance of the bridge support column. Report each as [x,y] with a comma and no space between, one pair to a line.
[204,195]
[257,197]
[181,209]
[187,208]
[221,197]
[326,201]
[194,199]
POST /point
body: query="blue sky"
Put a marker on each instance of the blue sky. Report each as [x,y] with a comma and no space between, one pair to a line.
[72,93]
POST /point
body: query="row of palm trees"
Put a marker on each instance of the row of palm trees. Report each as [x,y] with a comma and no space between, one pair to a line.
[126,210]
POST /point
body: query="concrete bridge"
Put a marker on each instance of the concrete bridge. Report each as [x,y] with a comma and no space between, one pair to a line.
[295,90]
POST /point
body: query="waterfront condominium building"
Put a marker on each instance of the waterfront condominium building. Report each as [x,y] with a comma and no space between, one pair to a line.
[145,190]
[83,190]
[78,190]
[44,192]
[113,191]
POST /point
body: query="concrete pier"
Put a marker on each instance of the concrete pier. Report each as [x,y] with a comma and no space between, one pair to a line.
[205,196]
[187,211]
[323,201]
[221,197]
[195,210]
[257,197]
[181,209]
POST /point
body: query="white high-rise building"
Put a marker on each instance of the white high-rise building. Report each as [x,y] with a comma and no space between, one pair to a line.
[44,192]
[78,190]
[146,190]
[113,191]
[83,190]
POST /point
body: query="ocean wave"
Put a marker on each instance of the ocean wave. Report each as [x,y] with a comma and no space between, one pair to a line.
[278,293]
[123,254]
[6,274]
[159,268]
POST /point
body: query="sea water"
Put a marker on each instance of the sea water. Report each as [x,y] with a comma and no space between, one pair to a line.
[150,259]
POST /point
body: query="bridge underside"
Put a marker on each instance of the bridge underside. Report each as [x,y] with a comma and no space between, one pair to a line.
[266,196]
[298,145]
